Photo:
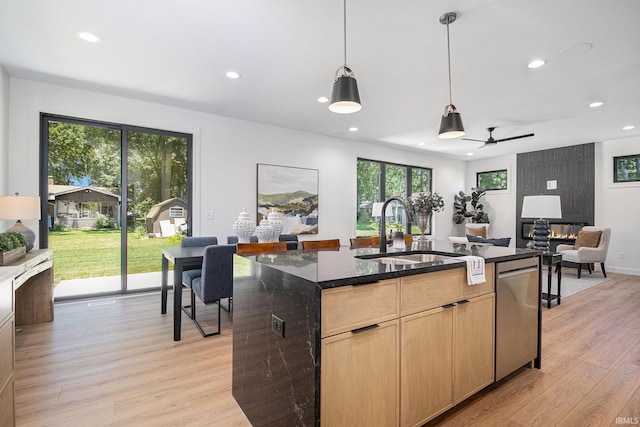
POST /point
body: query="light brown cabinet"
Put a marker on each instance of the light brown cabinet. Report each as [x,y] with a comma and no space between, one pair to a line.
[402,351]
[359,377]
[7,357]
[446,356]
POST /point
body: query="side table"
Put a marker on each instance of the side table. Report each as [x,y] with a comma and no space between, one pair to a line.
[552,259]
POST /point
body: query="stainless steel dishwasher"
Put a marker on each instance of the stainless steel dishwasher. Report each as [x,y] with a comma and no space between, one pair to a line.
[517,305]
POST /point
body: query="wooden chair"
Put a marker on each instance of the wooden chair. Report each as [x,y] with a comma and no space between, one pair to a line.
[408,239]
[257,248]
[364,242]
[321,244]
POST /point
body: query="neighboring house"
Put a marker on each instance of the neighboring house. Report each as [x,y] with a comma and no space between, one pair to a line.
[77,206]
[167,218]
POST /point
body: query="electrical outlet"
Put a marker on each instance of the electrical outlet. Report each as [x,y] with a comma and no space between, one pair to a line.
[210,215]
[277,324]
[621,256]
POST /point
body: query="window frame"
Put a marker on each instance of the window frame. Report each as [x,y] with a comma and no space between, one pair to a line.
[506,179]
[616,159]
[408,185]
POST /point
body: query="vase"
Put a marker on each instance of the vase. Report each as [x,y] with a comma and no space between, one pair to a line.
[276,223]
[264,232]
[423,223]
[244,227]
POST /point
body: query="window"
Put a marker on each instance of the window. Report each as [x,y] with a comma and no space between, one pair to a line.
[626,168]
[377,181]
[176,212]
[492,180]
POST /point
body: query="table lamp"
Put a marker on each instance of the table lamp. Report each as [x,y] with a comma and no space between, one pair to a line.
[18,208]
[541,208]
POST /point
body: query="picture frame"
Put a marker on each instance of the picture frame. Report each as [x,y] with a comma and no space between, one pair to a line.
[290,192]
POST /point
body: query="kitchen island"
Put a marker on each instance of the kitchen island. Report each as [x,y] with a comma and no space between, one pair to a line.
[343,337]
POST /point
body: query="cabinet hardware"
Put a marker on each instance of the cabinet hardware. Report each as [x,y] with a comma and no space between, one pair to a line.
[464,301]
[366,328]
[449,305]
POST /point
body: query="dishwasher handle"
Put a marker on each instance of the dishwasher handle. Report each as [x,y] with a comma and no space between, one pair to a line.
[517,272]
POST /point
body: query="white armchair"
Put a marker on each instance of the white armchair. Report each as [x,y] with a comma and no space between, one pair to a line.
[577,254]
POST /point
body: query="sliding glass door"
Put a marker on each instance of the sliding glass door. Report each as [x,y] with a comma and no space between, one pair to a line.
[107,237]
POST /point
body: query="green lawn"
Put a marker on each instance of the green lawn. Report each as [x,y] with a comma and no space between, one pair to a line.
[96,253]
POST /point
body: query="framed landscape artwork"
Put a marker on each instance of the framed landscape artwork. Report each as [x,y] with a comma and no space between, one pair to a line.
[293,193]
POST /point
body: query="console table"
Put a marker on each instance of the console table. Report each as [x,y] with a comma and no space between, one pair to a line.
[26,297]
[552,259]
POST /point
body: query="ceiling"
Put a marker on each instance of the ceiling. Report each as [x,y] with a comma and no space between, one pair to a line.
[287,53]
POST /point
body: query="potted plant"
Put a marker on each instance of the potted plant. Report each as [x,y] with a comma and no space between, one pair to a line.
[13,246]
[422,206]
[477,214]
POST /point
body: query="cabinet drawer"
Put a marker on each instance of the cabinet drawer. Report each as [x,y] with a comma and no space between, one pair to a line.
[352,307]
[430,290]
[6,351]
[6,299]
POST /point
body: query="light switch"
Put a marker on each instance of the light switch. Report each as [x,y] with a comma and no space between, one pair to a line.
[210,215]
[552,185]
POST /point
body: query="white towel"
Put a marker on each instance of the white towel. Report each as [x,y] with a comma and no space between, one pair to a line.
[475,269]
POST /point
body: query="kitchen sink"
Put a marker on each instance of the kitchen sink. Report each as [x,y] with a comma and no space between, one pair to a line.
[411,259]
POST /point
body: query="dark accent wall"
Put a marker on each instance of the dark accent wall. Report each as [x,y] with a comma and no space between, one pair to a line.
[573,168]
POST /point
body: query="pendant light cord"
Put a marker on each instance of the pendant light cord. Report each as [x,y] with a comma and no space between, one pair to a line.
[344,8]
[449,60]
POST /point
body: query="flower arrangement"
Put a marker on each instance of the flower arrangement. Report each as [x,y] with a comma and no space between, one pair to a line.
[425,202]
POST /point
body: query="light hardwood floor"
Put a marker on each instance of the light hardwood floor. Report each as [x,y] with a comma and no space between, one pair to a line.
[115,364]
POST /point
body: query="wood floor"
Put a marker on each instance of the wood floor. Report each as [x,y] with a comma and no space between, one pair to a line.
[114,363]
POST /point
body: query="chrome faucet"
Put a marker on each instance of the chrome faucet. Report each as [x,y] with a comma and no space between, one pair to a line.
[383,221]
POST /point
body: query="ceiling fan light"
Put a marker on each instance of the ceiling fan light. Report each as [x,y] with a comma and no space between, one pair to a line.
[451,124]
[345,98]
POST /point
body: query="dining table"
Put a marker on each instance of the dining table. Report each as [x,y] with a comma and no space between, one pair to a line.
[180,258]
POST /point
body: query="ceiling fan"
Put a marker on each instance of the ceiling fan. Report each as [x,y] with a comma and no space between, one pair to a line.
[492,141]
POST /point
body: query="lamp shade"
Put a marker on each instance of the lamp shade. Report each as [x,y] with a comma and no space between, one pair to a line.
[345,98]
[451,124]
[19,207]
[541,207]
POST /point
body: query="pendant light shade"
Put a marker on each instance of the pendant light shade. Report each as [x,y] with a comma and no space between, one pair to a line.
[451,123]
[345,98]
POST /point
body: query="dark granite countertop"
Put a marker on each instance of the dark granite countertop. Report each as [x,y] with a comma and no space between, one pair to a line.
[332,268]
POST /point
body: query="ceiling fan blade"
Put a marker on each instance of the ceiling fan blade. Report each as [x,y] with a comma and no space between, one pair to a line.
[476,140]
[515,137]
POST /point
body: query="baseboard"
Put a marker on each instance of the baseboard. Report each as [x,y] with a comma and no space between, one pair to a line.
[622,270]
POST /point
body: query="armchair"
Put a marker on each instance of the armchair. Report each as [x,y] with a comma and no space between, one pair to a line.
[215,283]
[472,229]
[580,254]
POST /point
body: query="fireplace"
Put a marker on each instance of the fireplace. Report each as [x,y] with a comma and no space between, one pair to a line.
[561,232]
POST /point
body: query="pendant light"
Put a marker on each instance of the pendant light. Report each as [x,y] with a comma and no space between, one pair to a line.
[345,98]
[451,124]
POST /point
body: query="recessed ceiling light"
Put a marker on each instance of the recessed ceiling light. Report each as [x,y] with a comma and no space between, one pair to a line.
[353,129]
[628,127]
[232,75]
[536,63]
[422,143]
[469,154]
[596,104]
[323,99]
[88,37]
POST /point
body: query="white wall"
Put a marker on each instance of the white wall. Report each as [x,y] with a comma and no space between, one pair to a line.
[499,204]
[4,130]
[226,152]
[618,206]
